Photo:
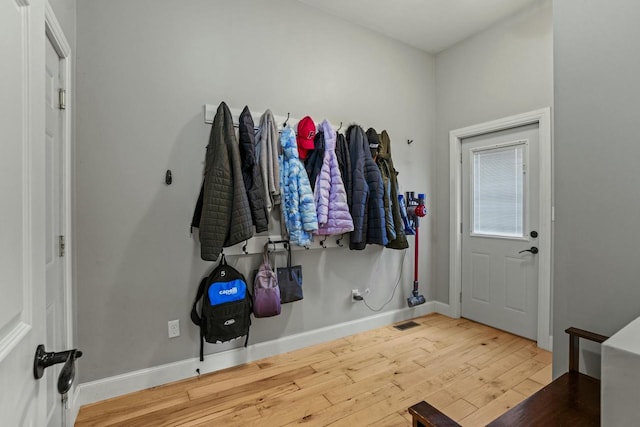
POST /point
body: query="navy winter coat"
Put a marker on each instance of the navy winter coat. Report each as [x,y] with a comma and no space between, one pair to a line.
[251,172]
[374,140]
[366,204]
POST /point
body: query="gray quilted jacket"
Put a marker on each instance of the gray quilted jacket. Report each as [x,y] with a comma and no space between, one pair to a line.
[225,218]
[267,150]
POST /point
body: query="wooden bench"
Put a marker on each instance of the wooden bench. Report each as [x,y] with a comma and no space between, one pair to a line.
[572,399]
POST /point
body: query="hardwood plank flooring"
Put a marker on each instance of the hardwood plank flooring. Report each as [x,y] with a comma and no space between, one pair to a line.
[471,372]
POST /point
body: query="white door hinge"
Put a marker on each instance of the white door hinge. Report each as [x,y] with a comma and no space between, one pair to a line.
[61,246]
[460,158]
[62,101]
[460,297]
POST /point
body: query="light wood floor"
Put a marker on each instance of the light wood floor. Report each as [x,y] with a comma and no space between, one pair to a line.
[471,372]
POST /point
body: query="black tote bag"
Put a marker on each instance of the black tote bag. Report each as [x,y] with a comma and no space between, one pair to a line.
[290,280]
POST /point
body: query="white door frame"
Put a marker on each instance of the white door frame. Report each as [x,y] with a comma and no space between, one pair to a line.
[55,35]
[543,118]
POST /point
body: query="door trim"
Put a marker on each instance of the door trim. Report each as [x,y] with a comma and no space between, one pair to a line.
[55,35]
[543,118]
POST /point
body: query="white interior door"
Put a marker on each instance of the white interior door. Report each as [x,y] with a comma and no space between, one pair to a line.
[500,198]
[22,309]
[56,338]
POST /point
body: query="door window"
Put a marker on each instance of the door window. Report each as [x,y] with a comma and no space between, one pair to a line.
[498,190]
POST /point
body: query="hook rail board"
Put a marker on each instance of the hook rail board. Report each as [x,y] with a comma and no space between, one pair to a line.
[210,112]
[255,245]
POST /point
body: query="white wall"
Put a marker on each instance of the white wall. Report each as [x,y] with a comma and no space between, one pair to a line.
[504,70]
[65,11]
[145,68]
[596,266]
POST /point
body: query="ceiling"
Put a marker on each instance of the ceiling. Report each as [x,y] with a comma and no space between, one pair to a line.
[429,25]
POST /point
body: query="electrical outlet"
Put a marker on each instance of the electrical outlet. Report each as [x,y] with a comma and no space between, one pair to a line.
[355,295]
[174,328]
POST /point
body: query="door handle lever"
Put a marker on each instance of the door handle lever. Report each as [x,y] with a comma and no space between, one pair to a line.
[44,359]
[533,250]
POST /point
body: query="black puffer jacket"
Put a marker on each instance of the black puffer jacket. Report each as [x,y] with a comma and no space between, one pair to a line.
[251,172]
[314,160]
[386,167]
[222,212]
[344,163]
[366,205]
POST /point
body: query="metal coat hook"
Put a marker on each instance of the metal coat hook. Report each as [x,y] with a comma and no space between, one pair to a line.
[409,141]
[168,178]
[244,248]
[285,244]
[339,127]
[284,125]
[322,243]
[339,241]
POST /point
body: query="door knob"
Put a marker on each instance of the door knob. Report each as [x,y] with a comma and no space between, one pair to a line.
[44,359]
[533,250]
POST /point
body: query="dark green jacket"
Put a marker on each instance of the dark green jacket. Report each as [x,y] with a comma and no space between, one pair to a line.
[385,163]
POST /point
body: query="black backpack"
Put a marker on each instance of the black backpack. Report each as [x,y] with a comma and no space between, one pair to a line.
[226,306]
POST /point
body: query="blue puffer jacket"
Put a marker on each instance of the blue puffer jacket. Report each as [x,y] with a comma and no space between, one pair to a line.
[298,206]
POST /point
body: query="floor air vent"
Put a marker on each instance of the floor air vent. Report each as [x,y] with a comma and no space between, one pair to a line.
[406,325]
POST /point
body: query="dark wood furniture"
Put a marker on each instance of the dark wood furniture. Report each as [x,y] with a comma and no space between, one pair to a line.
[425,415]
[572,399]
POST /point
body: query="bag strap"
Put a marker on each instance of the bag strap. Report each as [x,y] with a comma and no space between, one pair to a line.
[195,318]
[249,301]
[265,255]
[289,269]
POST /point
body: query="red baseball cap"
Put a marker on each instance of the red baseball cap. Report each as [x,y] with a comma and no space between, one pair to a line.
[306,133]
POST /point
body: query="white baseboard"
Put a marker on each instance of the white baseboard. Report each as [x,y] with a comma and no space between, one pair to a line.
[106,388]
[442,308]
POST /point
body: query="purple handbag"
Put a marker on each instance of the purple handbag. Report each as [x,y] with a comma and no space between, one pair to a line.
[266,293]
